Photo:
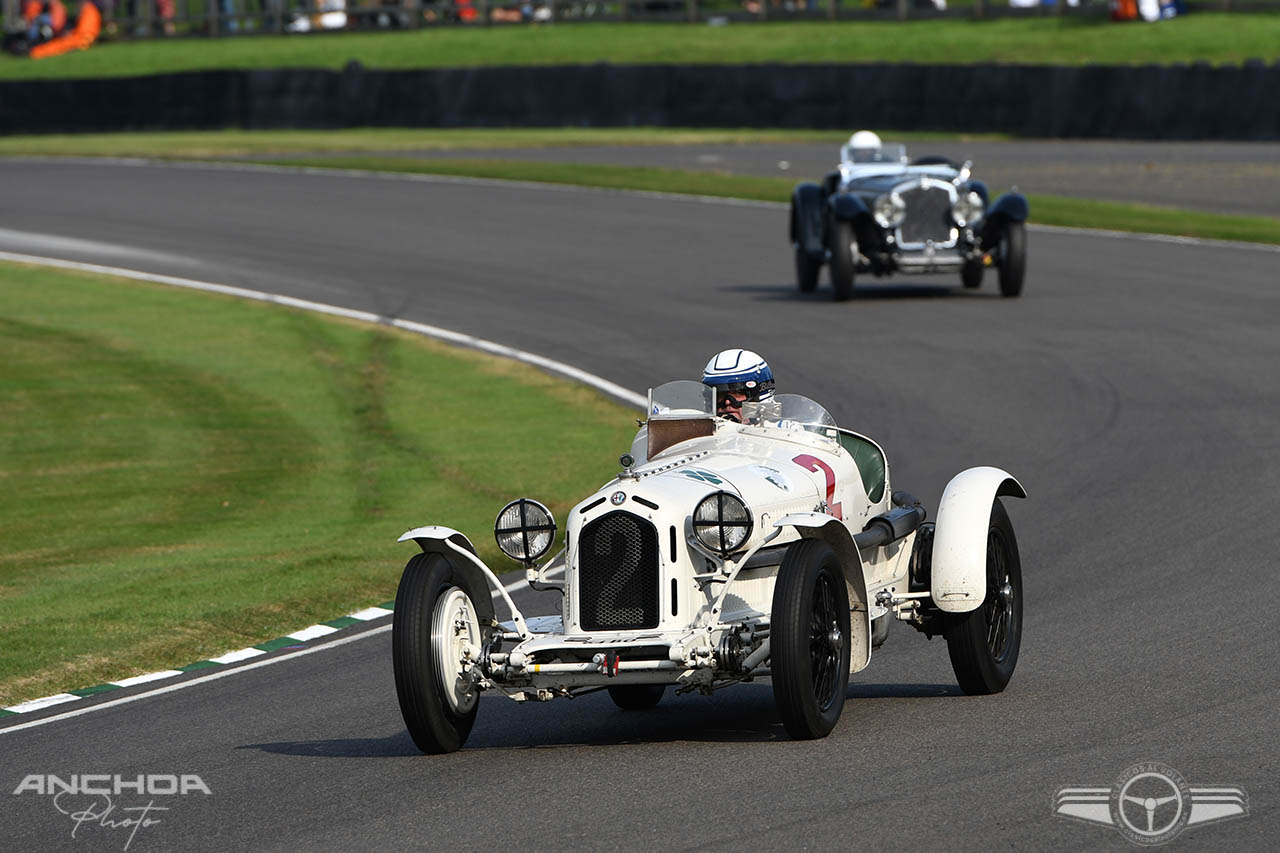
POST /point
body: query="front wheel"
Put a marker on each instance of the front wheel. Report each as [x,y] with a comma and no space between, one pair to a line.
[436,641]
[971,274]
[809,640]
[807,270]
[1012,257]
[983,643]
[844,252]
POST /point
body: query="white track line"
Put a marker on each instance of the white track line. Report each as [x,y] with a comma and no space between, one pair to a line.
[42,703]
[183,685]
[143,679]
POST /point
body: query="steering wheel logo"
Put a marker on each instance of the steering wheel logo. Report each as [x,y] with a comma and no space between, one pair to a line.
[1150,803]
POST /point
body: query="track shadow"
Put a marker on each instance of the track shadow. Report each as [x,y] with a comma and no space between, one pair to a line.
[384,747]
[861,292]
[745,714]
[902,691]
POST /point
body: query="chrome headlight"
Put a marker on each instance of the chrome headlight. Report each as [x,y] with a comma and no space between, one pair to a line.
[967,209]
[889,210]
[525,530]
[722,523]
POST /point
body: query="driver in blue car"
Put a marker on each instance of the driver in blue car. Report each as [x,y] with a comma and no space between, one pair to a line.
[737,376]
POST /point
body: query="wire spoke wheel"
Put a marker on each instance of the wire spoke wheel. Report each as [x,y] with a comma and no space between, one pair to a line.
[825,643]
[998,608]
[984,642]
[809,639]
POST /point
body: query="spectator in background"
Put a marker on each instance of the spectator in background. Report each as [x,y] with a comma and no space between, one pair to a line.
[227,10]
[42,20]
[85,31]
[164,12]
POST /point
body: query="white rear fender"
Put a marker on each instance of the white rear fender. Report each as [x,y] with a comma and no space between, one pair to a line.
[816,525]
[958,577]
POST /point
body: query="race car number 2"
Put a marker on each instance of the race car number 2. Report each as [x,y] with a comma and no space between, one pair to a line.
[813,463]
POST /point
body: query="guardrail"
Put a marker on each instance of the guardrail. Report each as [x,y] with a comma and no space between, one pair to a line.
[129,19]
[1196,101]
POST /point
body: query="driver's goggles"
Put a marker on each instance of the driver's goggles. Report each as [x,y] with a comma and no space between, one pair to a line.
[728,401]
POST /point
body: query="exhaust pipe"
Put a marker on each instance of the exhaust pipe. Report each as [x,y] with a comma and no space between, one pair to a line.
[891,526]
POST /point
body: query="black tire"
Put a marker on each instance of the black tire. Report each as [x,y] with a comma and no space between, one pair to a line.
[637,697]
[843,254]
[434,723]
[971,274]
[984,642]
[807,270]
[1012,255]
[809,640]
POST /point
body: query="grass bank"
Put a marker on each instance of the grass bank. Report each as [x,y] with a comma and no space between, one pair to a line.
[254,143]
[1045,209]
[172,493]
[1218,38]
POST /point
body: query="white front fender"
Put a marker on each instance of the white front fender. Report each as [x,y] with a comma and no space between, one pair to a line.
[959,571]
[433,539]
[817,525]
[458,548]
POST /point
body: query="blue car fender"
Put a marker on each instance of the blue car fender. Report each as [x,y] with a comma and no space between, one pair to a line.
[807,225]
[1010,207]
[981,189]
[848,207]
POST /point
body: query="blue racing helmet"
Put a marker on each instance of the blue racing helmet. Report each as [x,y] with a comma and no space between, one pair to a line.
[739,371]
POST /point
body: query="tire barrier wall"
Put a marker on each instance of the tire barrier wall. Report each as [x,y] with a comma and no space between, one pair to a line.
[1146,102]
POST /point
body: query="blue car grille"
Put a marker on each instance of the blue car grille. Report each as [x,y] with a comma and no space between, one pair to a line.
[618,573]
[928,216]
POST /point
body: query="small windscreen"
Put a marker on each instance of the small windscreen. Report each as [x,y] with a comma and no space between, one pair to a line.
[682,397]
[892,152]
[666,432]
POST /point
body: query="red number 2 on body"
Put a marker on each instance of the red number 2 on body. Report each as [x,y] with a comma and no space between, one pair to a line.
[813,463]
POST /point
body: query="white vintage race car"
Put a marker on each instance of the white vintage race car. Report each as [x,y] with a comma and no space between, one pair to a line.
[722,552]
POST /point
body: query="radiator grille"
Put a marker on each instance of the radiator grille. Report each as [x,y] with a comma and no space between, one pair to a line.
[618,573]
[928,215]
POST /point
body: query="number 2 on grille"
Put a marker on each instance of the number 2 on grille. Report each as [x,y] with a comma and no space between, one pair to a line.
[813,463]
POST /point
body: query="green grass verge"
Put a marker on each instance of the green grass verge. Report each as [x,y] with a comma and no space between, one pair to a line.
[1074,40]
[246,143]
[1045,209]
[187,474]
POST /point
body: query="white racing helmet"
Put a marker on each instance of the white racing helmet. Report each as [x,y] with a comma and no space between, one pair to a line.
[865,140]
[739,371]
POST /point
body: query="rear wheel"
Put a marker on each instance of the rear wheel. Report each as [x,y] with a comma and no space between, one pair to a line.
[637,697]
[1012,257]
[434,632]
[984,642]
[844,251]
[807,270]
[809,640]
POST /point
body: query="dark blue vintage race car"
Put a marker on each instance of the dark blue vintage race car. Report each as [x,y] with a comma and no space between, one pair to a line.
[882,213]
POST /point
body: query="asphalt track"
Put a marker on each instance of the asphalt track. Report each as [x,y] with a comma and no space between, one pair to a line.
[1132,389]
[1223,177]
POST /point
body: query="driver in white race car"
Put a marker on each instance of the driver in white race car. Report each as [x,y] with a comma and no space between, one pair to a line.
[737,376]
